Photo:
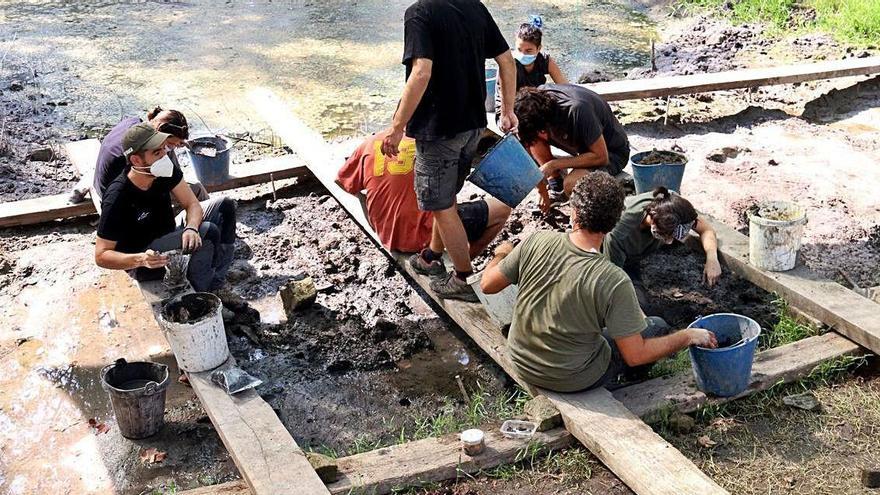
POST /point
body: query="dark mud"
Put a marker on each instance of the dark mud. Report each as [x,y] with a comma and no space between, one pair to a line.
[657,157]
[190,308]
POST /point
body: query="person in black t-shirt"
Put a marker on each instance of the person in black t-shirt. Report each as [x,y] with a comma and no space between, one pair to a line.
[579,122]
[137,225]
[446,44]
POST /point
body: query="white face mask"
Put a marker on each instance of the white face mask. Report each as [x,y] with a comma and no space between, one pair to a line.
[163,167]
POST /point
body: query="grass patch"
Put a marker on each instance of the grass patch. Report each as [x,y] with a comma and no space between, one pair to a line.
[787,329]
[851,21]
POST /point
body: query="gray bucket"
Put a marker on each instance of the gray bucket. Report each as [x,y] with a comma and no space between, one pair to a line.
[137,394]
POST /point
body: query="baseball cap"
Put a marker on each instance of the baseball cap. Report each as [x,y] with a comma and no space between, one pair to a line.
[142,137]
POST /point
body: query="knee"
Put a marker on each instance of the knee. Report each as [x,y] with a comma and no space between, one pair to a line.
[209,232]
[227,206]
[498,212]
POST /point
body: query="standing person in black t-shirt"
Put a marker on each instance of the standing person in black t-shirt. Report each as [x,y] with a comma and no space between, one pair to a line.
[137,224]
[579,122]
[446,44]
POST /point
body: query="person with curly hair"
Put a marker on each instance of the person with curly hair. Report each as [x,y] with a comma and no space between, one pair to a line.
[651,220]
[576,322]
[577,121]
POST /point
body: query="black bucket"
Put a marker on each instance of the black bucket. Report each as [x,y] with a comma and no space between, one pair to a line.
[137,394]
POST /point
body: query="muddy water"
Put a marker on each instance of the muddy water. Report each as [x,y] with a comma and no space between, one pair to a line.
[336,61]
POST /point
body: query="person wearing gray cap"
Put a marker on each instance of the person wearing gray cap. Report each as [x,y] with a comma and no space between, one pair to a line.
[137,225]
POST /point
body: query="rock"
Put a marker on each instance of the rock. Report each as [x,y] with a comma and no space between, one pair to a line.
[41,155]
[298,294]
[325,466]
[705,98]
[871,478]
[543,413]
[16,86]
[721,156]
[772,162]
[806,401]
[240,270]
[681,423]
[228,315]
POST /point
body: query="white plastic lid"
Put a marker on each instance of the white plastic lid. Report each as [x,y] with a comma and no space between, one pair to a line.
[472,437]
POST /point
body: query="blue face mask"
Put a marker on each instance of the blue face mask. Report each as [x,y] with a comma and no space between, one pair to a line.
[523,58]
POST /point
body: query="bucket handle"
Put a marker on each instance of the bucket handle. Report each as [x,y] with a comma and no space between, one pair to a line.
[151,388]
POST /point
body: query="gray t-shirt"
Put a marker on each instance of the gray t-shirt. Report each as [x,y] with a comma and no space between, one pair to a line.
[566,297]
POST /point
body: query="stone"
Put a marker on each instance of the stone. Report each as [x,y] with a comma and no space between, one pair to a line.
[806,401]
[16,86]
[326,467]
[239,271]
[298,294]
[41,155]
[681,424]
[543,413]
[228,315]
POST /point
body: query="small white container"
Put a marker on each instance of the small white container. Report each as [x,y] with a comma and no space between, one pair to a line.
[514,428]
[473,441]
[198,345]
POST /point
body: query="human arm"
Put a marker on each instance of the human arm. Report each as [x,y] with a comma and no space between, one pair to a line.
[413,92]
[555,73]
[190,239]
[595,156]
[507,76]
[637,350]
[493,279]
[107,257]
[712,269]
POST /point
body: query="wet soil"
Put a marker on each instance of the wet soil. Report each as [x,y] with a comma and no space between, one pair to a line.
[656,157]
[190,308]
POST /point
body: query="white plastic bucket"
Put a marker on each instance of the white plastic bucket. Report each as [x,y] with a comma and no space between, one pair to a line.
[775,231]
[200,343]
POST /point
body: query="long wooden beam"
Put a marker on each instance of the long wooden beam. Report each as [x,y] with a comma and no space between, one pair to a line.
[846,312]
[641,458]
[735,79]
[265,454]
[387,469]
[56,207]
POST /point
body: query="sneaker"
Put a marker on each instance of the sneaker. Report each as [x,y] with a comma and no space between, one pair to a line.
[419,265]
[452,287]
[555,189]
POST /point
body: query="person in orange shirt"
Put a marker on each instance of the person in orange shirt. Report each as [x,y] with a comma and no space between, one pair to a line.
[392,208]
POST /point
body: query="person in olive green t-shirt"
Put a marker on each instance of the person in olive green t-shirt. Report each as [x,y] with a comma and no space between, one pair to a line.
[577,322]
[651,220]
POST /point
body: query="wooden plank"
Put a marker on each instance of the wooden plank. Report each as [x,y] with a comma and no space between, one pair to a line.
[83,155]
[265,454]
[848,313]
[48,208]
[735,79]
[43,209]
[414,463]
[644,461]
[783,364]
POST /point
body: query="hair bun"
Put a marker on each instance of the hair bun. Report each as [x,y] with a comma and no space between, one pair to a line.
[152,114]
[536,21]
[661,193]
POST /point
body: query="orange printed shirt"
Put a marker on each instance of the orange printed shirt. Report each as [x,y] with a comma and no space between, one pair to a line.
[391,198]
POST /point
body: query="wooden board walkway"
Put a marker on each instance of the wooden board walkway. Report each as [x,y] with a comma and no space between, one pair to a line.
[411,464]
[735,79]
[638,456]
[265,454]
[56,207]
[848,313]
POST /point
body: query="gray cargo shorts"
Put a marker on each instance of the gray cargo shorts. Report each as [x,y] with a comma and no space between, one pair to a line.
[441,167]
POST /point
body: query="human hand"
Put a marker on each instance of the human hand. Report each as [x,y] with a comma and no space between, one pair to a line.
[504,249]
[544,202]
[701,337]
[508,122]
[391,142]
[548,168]
[190,241]
[152,259]
[711,272]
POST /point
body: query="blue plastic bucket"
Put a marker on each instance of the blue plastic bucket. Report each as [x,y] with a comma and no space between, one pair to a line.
[727,370]
[491,78]
[507,172]
[649,177]
[209,156]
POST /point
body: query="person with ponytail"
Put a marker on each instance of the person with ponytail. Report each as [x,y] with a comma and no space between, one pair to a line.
[532,65]
[651,220]
[111,160]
